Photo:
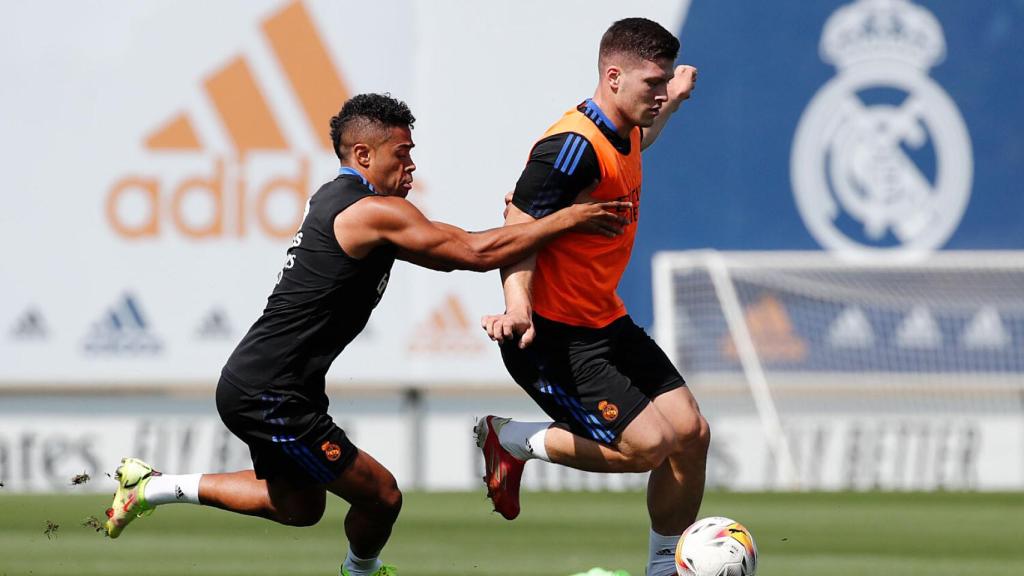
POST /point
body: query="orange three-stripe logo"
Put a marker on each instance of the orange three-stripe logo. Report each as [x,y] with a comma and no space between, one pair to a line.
[447,329]
[240,102]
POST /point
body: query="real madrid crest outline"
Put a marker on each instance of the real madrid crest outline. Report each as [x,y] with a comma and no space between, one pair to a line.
[850,159]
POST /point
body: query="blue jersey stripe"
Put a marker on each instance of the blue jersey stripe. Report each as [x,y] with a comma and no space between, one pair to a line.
[328,474]
[304,459]
[597,429]
[576,410]
[316,469]
[570,143]
[562,152]
[579,155]
[572,150]
[601,118]
[314,464]
[581,418]
[316,473]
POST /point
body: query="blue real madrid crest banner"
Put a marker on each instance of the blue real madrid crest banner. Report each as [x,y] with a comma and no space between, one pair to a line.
[866,126]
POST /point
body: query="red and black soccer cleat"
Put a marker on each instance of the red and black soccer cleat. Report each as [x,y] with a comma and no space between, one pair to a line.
[503,470]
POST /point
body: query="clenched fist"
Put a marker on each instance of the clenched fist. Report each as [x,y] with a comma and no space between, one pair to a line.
[682,84]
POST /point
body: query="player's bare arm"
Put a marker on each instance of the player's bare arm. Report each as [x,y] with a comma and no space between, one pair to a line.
[679,89]
[517,320]
[394,220]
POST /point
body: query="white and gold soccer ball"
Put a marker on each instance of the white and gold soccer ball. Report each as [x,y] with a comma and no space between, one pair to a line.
[716,546]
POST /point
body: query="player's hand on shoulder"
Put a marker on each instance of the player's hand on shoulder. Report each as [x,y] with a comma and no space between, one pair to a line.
[599,217]
[507,327]
[682,83]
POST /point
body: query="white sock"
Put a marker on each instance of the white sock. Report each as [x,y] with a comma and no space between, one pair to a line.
[525,440]
[661,555]
[357,566]
[171,488]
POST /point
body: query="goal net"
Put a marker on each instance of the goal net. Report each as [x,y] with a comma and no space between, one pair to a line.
[802,337]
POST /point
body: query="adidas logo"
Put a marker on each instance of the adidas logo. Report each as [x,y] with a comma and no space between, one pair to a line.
[240,194]
[851,329]
[214,326]
[179,494]
[919,330]
[665,552]
[30,326]
[986,331]
[772,332]
[122,330]
[447,330]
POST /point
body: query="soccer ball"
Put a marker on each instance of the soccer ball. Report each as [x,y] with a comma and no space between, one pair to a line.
[716,546]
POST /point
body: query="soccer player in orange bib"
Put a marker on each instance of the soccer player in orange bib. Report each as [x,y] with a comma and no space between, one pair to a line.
[617,403]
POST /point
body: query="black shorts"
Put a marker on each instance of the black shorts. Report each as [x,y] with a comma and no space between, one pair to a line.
[595,380]
[288,436]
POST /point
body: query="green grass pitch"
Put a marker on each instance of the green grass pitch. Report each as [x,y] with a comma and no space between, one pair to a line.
[938,534]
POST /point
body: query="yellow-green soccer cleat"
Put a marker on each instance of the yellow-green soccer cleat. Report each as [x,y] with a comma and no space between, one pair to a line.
[132,476]
[382,571]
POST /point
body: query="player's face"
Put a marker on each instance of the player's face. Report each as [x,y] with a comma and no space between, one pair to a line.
[643,89]
[391,164]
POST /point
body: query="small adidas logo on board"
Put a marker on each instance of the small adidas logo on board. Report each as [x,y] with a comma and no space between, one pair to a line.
[122,329]
[447,330]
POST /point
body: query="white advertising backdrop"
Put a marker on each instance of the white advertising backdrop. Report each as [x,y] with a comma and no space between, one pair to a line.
[158,156]
[43,453]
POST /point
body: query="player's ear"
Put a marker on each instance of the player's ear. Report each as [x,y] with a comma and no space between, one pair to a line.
[361,155]
[613,74]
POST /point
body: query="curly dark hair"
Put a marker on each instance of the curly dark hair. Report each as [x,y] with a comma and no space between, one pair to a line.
[365,111]
[639,37]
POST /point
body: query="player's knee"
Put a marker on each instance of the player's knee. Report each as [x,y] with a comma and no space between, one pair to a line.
[384,502]
[705,435]
[693,436]
[389,502]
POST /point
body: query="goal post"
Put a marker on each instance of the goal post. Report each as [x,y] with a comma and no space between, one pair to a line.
[798,333]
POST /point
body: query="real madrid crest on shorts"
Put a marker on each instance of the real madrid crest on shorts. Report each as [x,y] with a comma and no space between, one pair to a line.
[881,161]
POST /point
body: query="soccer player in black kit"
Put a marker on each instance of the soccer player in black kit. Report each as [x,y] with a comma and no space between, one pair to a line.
[271,391]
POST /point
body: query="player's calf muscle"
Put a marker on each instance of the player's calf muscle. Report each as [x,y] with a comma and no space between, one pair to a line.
[299,516]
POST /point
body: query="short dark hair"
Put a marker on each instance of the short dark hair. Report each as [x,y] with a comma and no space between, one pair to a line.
[366,111]
[639,37]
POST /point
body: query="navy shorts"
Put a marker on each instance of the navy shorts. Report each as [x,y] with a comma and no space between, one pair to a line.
[594,380]
[288,436]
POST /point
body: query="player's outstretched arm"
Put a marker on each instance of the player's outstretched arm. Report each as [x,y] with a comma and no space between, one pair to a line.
[679,89]
[374,221]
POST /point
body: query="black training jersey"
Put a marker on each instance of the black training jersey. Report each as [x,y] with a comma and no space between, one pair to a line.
[322,300]
[563,165]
